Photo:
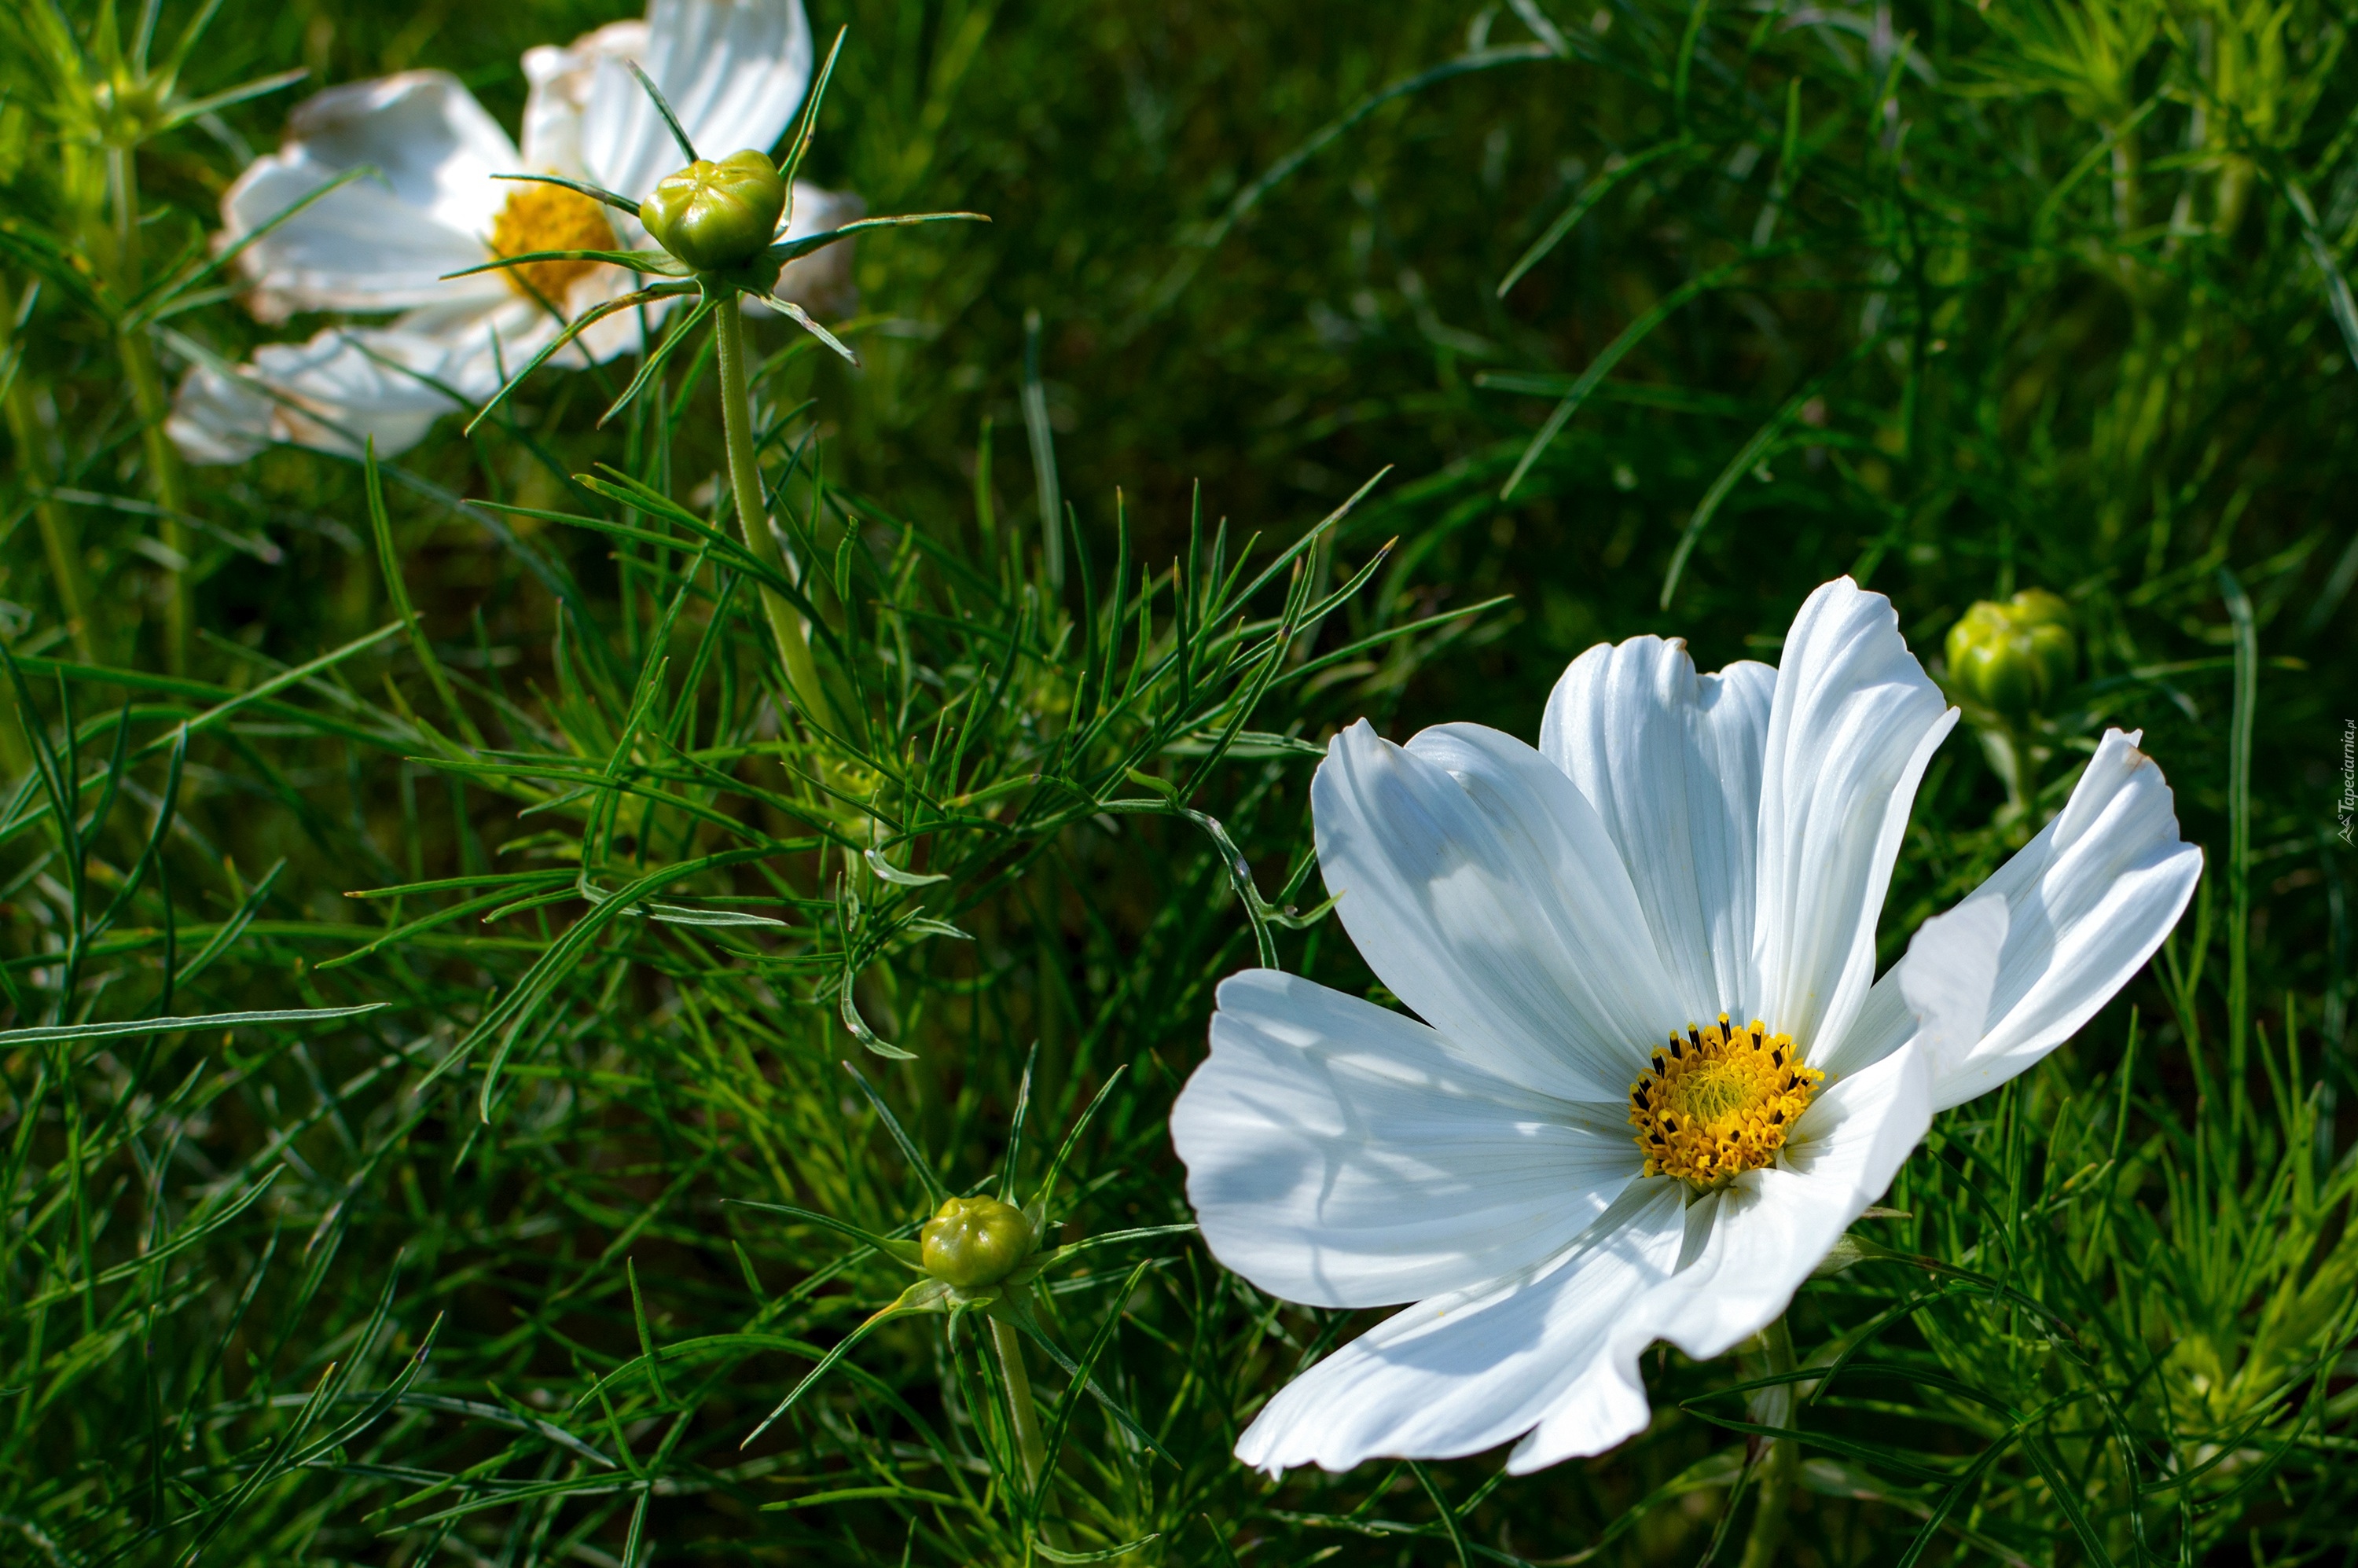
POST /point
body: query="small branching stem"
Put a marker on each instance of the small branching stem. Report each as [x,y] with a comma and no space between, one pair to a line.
[1028,1441]
[2024,784]
[2124,176]
[164,473]
[60,540]
[786,623]
[147,384]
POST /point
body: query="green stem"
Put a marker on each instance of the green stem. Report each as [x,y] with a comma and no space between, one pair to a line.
[787,623]
[163,471]
[2025,774]
[60,538]
[2125,175]
[147,396]
[2003,747]
[2239,844]
[1775,1470]
[1028,1441]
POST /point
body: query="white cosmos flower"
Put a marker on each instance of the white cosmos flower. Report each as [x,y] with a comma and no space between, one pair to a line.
[734,72]
[1679,848]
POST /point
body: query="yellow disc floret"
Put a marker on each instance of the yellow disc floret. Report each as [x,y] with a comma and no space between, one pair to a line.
[1719,1102]
[549,218]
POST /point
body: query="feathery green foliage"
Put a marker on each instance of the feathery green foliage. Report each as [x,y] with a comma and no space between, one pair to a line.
[434,941]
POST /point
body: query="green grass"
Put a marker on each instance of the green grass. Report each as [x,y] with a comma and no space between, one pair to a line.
[1957,300]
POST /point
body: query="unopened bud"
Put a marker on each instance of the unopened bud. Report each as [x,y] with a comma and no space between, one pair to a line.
[713,215]
[2014,656]
[974,1242]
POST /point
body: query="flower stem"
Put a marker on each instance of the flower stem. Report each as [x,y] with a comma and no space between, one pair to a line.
[1773,1407]
[1028,1441]
[787,623]
[147,396]
[60,538]
[2026,775]
[163,471]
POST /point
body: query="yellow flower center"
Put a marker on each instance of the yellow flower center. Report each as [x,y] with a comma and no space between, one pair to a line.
[1719,1102]
[549,218]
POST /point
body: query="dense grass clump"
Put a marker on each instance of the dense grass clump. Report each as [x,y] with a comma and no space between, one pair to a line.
[469,1059]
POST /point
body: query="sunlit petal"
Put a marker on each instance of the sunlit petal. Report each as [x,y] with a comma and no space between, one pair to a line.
[1572,923]
[1338,1154]
[332,393]
[1481,887]
[1469,1370]
[733,70]
[1752,1243]
[559,80]
[1855,721]
[1671,761]
[383,242]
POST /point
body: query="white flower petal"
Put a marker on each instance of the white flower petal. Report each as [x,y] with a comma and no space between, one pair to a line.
[1338,1154]
[2088,900]
[618,333]
[1750,1245]
[733,70]
[820,282]
[1671,761]
[1478,884]
[344,385]
[1937,995]
[1855,721]
[1469,1370]
[1950,974]
[483,347]
[558,95]
[2085,903]
[217,417]
[1883,1024]
[563,81]
[498,343]
[383,242]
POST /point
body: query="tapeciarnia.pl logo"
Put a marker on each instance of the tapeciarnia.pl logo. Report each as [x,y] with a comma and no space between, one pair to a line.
[2347,806]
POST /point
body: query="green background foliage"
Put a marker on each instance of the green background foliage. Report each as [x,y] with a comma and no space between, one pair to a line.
[1960,300]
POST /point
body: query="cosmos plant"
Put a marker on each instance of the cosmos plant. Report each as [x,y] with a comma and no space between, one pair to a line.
[1653,1077]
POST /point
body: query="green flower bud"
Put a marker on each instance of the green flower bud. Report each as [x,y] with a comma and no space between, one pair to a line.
[2046,619]
[713,215]
[2014,656]
[974,1242]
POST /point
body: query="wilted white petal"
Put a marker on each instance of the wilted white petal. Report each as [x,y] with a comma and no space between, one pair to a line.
[332,393]
[1469,1370]
[733,70]
[1479,886]
[384,242]
[1853,723]
[1671,761]
[1338,1154]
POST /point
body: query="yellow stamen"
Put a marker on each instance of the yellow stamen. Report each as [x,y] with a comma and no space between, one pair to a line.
[549,218]
[1719,1102]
